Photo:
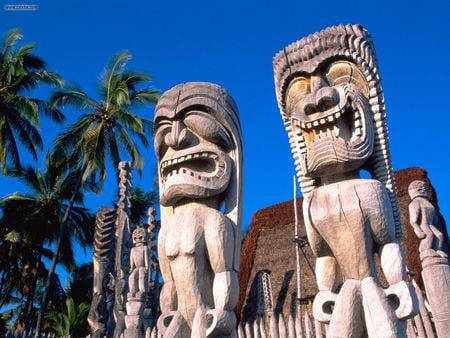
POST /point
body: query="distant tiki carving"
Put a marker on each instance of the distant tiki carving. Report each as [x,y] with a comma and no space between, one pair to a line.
[101,319]
[331,101]
[425,220]
[199,151]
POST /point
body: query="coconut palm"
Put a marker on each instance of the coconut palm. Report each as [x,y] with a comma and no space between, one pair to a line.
[71,322]
[107,129]
[31,222]
[20,72]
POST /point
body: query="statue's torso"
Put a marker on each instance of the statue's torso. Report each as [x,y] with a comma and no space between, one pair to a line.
[186,250]
[352,216]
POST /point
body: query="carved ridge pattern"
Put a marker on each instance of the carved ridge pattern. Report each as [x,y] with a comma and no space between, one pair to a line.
[104,240]
[355,43]
[104,246]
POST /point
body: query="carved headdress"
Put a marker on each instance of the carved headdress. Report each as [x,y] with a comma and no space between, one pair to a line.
[314,52]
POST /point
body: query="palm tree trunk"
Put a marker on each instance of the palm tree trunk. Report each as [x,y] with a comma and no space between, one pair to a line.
[51,270]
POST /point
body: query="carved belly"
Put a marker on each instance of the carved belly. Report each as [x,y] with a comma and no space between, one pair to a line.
[351,216]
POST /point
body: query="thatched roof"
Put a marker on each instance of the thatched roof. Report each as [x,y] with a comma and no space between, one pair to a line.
[269,246]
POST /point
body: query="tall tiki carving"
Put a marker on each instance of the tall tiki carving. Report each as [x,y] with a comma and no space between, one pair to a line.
[331,101]
[199,151]
[100,317]
[123,246]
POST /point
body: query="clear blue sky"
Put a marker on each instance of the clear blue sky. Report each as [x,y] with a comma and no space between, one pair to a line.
[232,44]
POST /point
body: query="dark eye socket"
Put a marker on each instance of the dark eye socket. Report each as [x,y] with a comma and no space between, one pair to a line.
[162,128]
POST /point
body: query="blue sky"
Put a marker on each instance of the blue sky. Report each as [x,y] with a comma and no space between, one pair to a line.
[232,44]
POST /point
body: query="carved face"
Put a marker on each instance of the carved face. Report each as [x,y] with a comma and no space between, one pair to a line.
[330,111]
[139,236]
[418,189]
[191,146]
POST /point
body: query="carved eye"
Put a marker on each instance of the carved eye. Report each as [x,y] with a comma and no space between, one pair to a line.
[162,128]
[298,88]
[342,72]
[208,128]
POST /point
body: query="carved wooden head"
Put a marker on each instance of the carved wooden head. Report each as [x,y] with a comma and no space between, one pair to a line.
[418,189]
[140,236]
[198,145]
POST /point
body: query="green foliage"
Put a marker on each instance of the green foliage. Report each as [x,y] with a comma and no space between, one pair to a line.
[109,128]
[22,71]
[72,321]
[30,224]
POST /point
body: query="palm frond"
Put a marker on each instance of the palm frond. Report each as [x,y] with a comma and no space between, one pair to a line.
[10,39]
[48,110]
[145,96]
[73,96]
[8,147]
[129,146]
[115,66]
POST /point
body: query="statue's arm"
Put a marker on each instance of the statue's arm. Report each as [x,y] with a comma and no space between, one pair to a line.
[414,215]
[326,269]
[132,265]
[168,295]
[220,241]
[326,264]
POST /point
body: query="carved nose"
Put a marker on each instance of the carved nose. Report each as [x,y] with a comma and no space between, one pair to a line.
[317,82]
[321,100]
[177,138]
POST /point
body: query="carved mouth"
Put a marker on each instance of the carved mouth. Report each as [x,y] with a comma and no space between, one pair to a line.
[346,123]
[201,165]
[197,172]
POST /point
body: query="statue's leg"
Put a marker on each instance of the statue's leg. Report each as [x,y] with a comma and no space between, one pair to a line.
[380,318]
[142,280]
[439,239]
[131,286]
[173,325]
[346,321]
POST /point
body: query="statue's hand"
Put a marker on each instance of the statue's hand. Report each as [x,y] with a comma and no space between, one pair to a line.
[219,322]
[419,233]
[405,298]
[322,305]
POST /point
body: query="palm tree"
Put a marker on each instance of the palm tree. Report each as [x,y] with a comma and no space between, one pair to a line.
[31,222]
[106,130]
[69,323]
[22,71]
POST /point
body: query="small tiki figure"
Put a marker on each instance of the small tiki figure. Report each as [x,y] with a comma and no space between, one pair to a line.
[139,264]
[424,219]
